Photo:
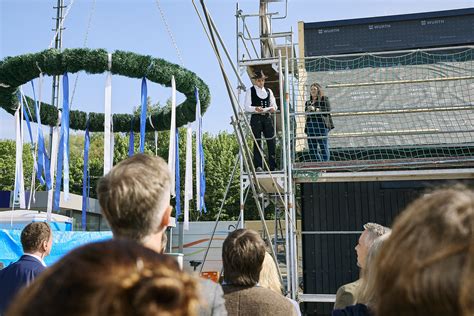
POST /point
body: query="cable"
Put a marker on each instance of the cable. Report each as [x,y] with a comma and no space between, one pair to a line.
[83,45]
[170,34]
[61,23]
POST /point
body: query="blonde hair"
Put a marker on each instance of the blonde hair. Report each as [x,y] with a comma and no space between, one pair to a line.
[375,231]
[134,196]
[115,277]
[269,277]
[367,294]
[427,265]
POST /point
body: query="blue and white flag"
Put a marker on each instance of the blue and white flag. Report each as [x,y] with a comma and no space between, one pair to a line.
[200,176]
[42,157]
[172,145]
[63,153]
[188,179]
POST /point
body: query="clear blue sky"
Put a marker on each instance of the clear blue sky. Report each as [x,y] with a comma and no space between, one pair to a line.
[136,25]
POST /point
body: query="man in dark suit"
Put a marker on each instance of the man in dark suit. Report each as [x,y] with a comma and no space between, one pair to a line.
[135,199]
[243,253]
[36,240]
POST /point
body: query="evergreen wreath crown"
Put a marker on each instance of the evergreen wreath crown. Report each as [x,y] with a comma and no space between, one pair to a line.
[18,70]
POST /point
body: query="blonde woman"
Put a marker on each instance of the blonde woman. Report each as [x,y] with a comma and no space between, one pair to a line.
[270,279]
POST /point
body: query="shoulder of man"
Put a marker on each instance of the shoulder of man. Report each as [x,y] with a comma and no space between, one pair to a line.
[30,262]
[345,295]
[257,299]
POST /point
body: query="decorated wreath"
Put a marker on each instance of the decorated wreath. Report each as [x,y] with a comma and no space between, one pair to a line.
[18,70]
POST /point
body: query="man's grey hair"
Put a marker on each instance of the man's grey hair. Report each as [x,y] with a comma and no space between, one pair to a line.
[374,231]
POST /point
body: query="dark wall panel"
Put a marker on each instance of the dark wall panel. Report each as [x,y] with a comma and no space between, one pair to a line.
[333,210]
[397,32]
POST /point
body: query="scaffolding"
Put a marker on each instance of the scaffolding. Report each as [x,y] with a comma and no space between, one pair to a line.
[275,187]
[411,116]
[378,138]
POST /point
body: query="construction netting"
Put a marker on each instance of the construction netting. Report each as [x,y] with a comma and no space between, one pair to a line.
[390,109]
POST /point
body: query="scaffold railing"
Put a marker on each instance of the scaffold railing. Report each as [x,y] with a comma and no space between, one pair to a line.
[391,110]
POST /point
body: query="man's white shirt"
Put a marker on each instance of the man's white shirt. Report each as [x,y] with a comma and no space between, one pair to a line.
[262,94]
[36,257]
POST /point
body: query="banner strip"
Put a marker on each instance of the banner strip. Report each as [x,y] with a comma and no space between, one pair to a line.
[188,179]
[172,145]
[131,140]
[143,115]
[178,182]
[85,177]
[108,117]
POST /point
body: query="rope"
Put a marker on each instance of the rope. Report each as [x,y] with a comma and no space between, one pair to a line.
[83,45]
[61,23]
[170,34]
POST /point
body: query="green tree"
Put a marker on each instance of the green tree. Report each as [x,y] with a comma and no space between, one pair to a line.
[220,153]
[7,165]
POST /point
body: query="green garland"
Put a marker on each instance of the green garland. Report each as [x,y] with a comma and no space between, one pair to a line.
[16,71]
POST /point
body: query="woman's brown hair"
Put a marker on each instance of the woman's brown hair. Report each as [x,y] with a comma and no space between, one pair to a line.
[243,252]
[116,277]
[320,91]
[426,267]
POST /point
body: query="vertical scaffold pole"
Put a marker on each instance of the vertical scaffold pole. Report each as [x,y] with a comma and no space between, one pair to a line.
[291,209]
[58,43]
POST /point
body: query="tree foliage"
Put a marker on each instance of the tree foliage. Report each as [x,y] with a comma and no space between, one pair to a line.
[7,165]
[220,153]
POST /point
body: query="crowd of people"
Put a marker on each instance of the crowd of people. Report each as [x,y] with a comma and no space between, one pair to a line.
[424,265]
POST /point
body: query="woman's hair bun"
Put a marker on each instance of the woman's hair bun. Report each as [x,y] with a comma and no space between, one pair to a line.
[161,291]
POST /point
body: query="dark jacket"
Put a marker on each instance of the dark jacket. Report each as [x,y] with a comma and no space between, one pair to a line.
[256,300]
[16,276]
[313,116]
[352,310]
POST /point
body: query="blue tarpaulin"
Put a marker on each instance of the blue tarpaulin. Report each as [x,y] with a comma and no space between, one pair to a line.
[63,242]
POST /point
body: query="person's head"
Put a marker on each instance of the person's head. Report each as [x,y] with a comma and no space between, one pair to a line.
[366,294]
[269,277]
[426,267]
[259,78]
[37,238]
[371,232]
[243,252]
[135,199]
[114,277]
[316,91]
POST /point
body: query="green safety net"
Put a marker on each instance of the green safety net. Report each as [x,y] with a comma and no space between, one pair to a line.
[393,109]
